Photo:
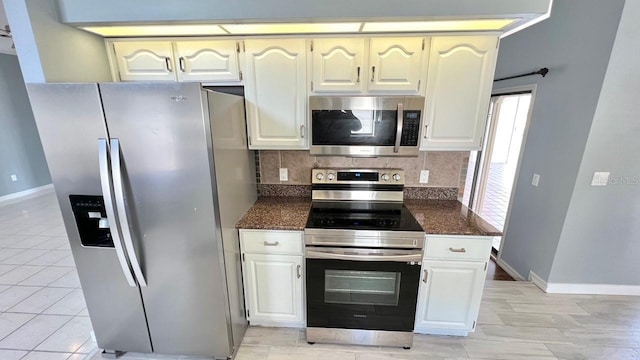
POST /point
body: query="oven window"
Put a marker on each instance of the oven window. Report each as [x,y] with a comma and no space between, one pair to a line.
[354,127]
[361,287]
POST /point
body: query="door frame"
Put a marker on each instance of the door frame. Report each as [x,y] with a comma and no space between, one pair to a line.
[505,91]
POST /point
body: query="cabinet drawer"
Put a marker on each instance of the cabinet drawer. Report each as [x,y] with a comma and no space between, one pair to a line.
[458,248]
[272,242]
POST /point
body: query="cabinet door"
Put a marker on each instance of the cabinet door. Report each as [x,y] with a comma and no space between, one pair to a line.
[273,287]
[207,60]
[145,61]
[449,295]
[276,96]
[460,78]
[395,64]
[337,65]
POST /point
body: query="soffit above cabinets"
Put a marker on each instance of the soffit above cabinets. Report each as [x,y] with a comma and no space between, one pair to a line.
[123,18]
[301,28]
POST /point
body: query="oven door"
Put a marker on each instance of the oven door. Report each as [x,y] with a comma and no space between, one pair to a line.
[369,289]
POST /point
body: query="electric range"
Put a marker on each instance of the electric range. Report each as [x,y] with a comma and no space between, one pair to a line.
[363,255]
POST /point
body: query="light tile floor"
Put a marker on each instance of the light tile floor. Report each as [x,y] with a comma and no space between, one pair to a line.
[42,310]
[43,315]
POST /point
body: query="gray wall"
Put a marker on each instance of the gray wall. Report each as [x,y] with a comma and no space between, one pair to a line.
[600,240]
[574,43]
[20,149]
[50,51]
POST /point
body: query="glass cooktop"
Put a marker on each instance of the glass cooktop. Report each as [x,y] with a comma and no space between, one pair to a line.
[361,216]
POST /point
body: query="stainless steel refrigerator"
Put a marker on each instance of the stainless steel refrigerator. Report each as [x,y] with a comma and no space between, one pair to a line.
[151,179]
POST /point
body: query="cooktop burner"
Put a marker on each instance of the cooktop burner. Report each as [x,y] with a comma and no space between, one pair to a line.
[341,215]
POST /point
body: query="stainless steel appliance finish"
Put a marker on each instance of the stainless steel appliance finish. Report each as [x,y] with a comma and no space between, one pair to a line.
[364,238]
[360,337]
[386,125]
[170,284]
[363,255]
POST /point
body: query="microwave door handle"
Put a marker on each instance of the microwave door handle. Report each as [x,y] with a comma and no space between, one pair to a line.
[396,147]
[116,166]
[105,182]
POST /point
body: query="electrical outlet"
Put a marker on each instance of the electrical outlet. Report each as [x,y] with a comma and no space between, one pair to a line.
[535,180]
[600,178]
[284,174]
[424,176]
[14,177]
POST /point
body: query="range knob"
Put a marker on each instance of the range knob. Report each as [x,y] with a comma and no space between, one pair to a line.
[331,176]
[396,177]
[385,177]
[320,176]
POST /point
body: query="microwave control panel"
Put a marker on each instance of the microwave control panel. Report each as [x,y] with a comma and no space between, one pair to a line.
[410,128]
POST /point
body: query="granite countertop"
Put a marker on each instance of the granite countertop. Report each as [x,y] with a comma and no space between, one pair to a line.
[444,217]
[449,217]
[277,213]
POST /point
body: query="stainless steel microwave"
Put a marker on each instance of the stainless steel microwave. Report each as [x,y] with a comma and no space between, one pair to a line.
[366,126]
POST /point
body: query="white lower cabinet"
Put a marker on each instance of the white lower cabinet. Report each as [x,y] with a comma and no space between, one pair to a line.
[274,289]
[273,274]
[450,296]
[451,285]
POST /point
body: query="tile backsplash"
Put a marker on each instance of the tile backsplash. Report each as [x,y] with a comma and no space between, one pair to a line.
[445,167]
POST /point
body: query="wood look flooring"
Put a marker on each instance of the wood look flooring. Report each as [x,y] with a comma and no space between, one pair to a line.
[43,315]
[517,321]
[495,272]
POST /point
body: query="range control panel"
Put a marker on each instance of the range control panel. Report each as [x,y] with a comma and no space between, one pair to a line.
[358,176]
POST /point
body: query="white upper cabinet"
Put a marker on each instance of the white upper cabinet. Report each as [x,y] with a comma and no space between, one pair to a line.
[460,78]
[362,66]
[395,64]
[337,65]
[207,60]
[145,61]
[275,93]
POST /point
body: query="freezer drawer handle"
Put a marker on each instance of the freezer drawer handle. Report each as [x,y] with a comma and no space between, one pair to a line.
[105,181]
[122,211]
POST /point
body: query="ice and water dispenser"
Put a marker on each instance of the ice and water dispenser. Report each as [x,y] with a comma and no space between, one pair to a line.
[91,219]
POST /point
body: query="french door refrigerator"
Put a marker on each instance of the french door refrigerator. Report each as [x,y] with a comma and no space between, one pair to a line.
[151,179]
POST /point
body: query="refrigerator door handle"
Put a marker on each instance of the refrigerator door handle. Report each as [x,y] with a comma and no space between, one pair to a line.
[105,181]
[116,168]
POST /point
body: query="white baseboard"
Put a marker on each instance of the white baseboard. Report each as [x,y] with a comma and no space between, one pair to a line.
[583,289]
[538,281]
[15,197]
[509,270]
[593,289]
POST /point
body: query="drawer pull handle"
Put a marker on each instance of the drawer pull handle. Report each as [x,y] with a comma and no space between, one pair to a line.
[460,250]
[426,276]
[266,243]
[299,272]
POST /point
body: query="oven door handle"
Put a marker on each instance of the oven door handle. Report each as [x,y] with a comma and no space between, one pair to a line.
[399,124]
[319,254]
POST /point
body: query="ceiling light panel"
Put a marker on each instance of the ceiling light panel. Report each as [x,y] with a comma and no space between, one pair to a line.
[443,25]
[155,30]
[293,28]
